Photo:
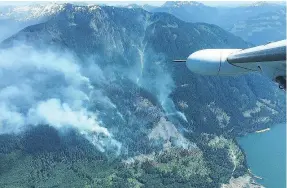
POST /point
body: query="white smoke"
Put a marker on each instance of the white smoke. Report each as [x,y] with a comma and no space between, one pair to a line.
[10,119]
[159,82]
[48,87]
[58,114]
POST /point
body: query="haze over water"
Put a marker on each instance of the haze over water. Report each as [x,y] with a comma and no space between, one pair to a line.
[266,155]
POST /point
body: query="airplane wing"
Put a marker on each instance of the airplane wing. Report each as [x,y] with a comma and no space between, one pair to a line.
[269,59]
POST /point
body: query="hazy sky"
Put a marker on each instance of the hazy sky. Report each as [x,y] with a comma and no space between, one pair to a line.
[155,3]
[159,3]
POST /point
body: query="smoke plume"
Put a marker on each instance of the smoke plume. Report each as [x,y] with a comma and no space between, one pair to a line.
[48,87]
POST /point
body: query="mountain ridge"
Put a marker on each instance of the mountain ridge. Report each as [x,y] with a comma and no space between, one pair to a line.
[232,17]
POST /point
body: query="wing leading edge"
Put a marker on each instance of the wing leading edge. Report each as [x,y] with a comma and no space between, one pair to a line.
[271,52]
[270,58]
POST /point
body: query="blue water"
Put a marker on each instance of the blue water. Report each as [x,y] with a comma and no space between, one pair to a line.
[266,155]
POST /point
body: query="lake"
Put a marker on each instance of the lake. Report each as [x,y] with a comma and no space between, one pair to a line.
[266,155]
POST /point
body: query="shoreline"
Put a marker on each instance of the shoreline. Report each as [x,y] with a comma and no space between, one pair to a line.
[264,179]
[263,130]
[253,175]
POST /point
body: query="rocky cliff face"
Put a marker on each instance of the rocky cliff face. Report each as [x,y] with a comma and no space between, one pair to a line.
[106,72]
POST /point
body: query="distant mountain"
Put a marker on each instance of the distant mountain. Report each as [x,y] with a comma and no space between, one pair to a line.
[30,12]
[146,7]
[15,18]
[262,28]
[257,23]
[96,102]
[190,11]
